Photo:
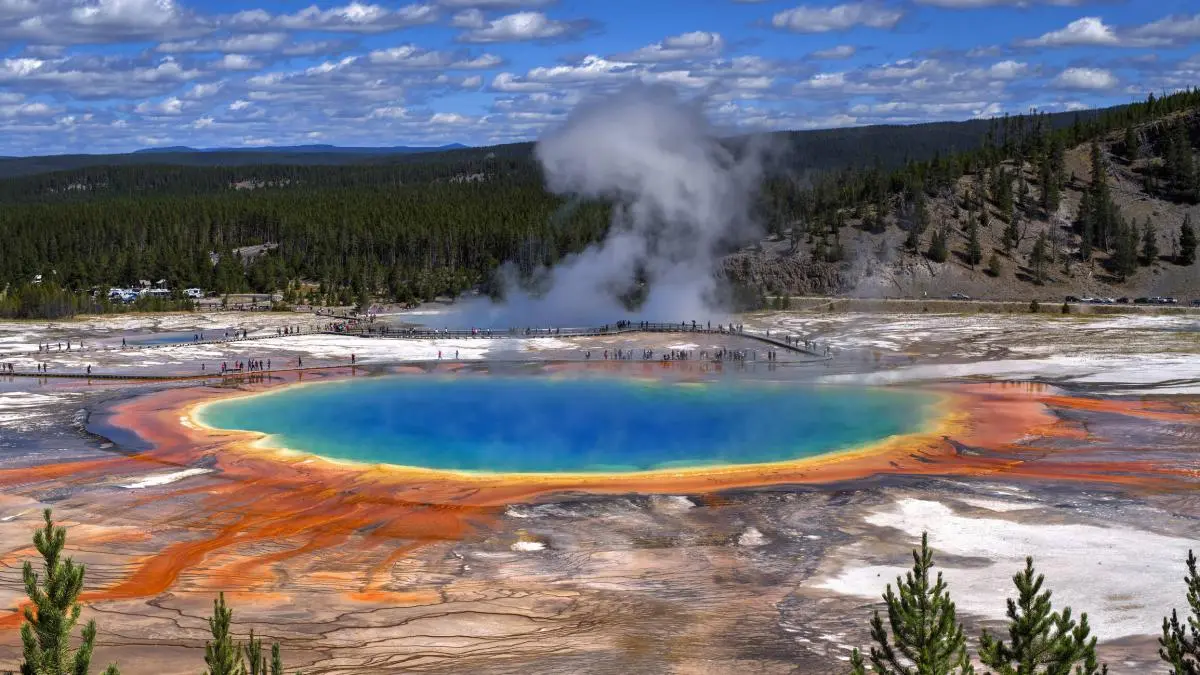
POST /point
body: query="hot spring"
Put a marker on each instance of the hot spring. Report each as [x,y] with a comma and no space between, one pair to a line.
[526,424]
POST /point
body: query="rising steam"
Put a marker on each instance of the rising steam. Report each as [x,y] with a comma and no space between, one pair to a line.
[679,195]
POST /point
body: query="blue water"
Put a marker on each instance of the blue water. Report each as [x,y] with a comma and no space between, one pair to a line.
[519,424]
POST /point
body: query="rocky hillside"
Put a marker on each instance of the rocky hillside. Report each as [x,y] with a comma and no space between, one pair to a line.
[880,264]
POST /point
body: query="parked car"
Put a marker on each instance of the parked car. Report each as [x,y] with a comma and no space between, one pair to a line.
[1142,301]
[193,293]
[960,296]
[1072,298]
[1122,301]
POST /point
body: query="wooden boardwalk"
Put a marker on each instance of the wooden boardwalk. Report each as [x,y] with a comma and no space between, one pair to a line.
[368,331]
[798,345]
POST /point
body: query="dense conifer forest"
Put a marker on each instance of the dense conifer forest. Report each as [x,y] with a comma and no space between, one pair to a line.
[425,225]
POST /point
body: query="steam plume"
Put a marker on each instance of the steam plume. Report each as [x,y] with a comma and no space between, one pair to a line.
[678,195]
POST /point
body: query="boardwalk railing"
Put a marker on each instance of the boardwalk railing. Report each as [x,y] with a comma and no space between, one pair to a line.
[368,330]
[790,343]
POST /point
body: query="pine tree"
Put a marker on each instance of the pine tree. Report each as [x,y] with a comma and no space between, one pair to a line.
[920,212]
[1038,259]
[937,246]
[1125,261]
[1180,165]
[926,637]
[1041,641]
[1011,236]
[1179,645]
[995,267]
[1083,224]
[912,242]
[974,249]
[46,631]
[1003,193]
[1149,243]
[254,655]
[1187,241]
[1130,144]
[222,654]
[1051,192]
[276,660]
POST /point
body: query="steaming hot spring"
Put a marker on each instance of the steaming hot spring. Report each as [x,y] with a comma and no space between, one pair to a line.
[578,424]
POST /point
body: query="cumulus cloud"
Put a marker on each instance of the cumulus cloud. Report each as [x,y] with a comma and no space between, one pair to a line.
[1086,78]
[95,77]
[1091,31]
[61,22]
[251,42]
[1008,70]
[169,107]
[678,47]
[521,27]
[720,79]
[813,19]
[1180,28]
[25,110]
[835,53]
[355,17]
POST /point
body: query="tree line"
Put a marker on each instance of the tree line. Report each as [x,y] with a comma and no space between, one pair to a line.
[434,225]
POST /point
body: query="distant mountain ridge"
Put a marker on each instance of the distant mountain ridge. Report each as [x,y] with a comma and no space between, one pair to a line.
[300,149]
[810,151]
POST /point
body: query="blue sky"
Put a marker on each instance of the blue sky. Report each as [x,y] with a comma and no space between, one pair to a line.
[117,75]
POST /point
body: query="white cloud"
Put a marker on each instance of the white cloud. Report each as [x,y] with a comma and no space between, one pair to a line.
[204,90]
[518,27]
[390,112]
[1091,31]
[170,107]
[834,53]
[251,42]
[16,110]
[1088,31]
[468,18]
[450,118]
[411,56]
[355,17]
[808,19]
[1086,78]
[96,21]
[1008,70]
[238,62]
[678,47]
[1177,28]
[239,104]
[95,77]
